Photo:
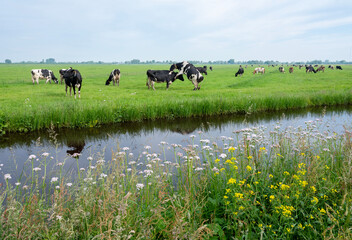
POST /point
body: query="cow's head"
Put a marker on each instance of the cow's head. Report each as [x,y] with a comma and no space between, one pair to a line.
[173,67]
[173,75]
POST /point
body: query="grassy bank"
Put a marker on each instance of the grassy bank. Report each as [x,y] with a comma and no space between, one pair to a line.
[292,183]
[24,107]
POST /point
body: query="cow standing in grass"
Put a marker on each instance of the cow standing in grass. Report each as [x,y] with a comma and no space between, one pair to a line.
[239,72]
[73,79]
[290,70]
[202,70]
[43,74]
[259,70]
[61,72]
[160,76]
[281,69]
[191,71]
[310,69]
[114,77]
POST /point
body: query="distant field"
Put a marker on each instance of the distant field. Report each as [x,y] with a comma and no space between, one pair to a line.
[24,107]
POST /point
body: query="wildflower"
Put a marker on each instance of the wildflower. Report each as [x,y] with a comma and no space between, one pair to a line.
[89,158]
[54,179]
[199,169]
[324,179]
[303,183]
[217,160]
[139,186]
[286,173]
[125,149]
[57,187]
[317,157]
[284,187]
[32,157]
[231,149]
[239,195]
[262,149]
[327,167]
[235,213]
[68,184]
[36,169]
[272,197]
[192,136]
[223,155]
[271,176]
[45,154]
[25,187]
[315,200]
[231,181]
[82,169]
[103,175]
[17,183]
[228,190]
[249,157]
[241,208]
[235,167]
[58,217]
[7,176]
[76,155]
[249,168]
[226,197]
[60,164]
[147,147]
[302,154]
[322,211]
[313,189]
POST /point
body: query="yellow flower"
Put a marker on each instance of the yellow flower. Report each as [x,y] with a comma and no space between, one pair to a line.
[256,182]
[322,211]
[231,181]
[227,203]
[286,173]
[228,190]
[231,149]
[249,157]
[313,189]
[284,187]
[249,168]
[271,176]
[229,161]
[317,157]
[241,208]
[327,167]
[217,173]
[303,154]
[235,167]
[217,160]
[301,165]
[239,195]
[235,213]
[272,197]
[226,197]
[262,149]
[311,216]
[222,169]
[303,183]
[315,200]
[324,179]
[295,177]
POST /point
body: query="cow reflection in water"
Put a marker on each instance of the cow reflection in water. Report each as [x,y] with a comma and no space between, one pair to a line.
[76,147]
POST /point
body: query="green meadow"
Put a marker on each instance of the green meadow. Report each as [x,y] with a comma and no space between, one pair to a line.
[27,107]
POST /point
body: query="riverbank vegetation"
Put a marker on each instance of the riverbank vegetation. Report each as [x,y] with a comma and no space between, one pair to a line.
[292,183]
[26,107]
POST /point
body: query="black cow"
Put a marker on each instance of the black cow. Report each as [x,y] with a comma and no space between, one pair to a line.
[202,70]
[114,77]
[73,79]
[160,76]
[43,74]
[191,71]
[310,69]
[211,68]
[339,67]
[239,72]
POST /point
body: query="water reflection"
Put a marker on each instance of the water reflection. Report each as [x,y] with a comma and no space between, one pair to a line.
[15,148]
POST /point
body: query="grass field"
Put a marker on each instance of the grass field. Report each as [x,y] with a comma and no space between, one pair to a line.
[24,107]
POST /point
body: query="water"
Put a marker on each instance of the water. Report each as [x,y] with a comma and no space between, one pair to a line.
[16,148]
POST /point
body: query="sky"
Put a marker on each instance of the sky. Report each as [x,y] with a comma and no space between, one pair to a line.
[177,30]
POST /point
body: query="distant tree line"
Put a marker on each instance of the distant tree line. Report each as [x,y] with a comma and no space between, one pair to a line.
[137,61]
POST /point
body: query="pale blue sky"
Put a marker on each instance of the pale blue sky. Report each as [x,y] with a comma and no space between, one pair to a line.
[107,30]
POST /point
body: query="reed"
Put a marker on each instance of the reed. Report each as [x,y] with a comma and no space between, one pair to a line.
[24,107]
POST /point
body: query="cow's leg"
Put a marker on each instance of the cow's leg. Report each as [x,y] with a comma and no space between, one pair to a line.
[74,90]
[118,81]
[153,85]
[168,84]
[79,90]
[70,91]
[113,80]
[33,80]
[195,83]
[66,89]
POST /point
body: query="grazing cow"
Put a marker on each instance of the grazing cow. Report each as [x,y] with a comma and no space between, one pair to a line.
[43,74]
[239,72]
[73,79]
[321,68]
[211,68]
[290,70]
[191,71]
[331,67]
[339,67]
[160,76]
[259,70]
[202,70]
[281,69]
[114,77]
[310,69]
[61,72]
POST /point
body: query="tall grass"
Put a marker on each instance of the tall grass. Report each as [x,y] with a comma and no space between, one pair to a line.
[292,183]
[24,107]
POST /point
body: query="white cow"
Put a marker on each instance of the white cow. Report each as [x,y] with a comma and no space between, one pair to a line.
[43,74]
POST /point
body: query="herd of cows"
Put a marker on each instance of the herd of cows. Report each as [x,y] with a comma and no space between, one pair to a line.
[73,78]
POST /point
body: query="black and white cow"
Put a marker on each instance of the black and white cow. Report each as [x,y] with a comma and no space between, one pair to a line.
[338,67]
[114,77]
[239,72]
[211,68]
[161,76]
[73,79]
[61,72]
[282,69]
[43,74]
[202,70]
[310,69]
[191,71]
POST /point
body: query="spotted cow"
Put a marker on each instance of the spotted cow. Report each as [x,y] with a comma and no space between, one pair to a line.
[43,74]
[190,70]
